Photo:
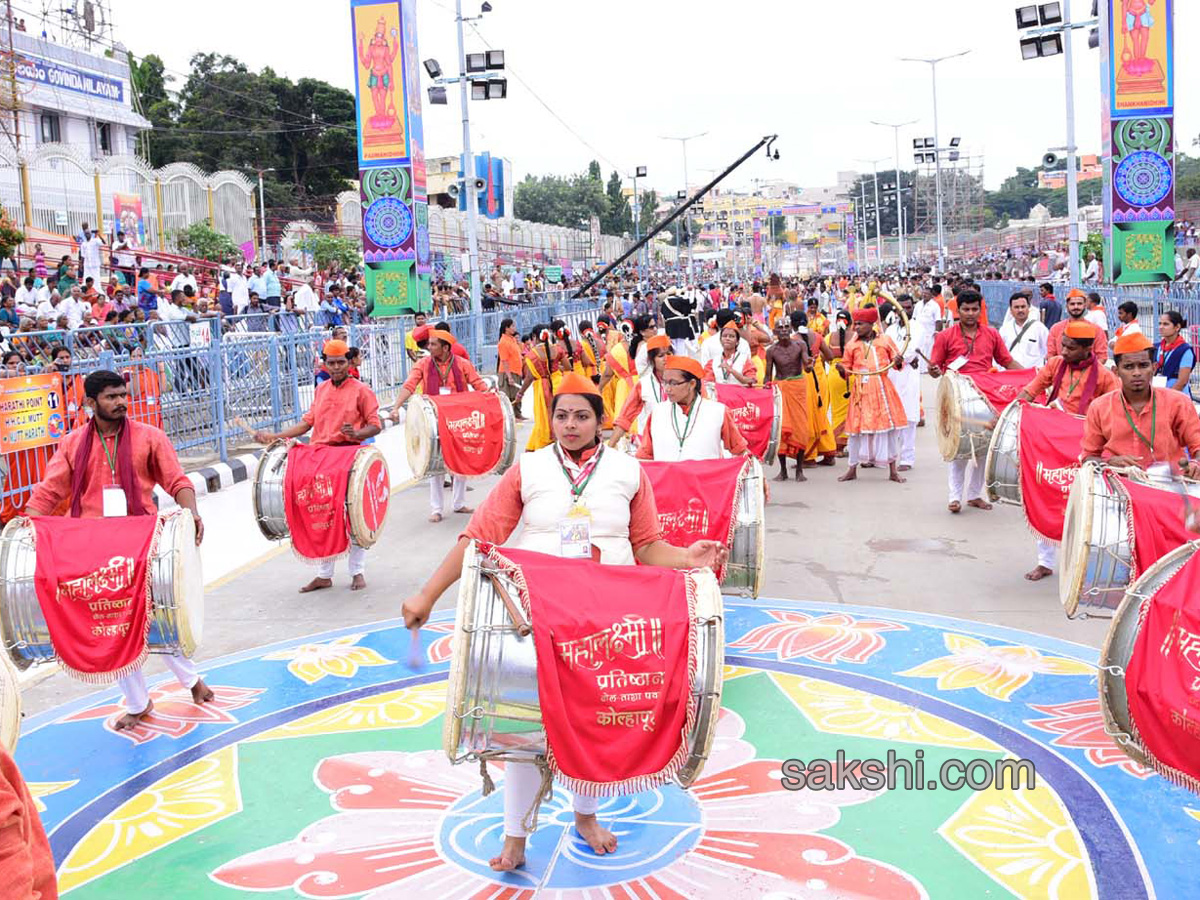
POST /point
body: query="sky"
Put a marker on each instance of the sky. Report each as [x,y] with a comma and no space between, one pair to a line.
[623,74]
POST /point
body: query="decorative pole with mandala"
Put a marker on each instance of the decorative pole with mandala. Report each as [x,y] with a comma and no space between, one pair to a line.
[1138,63]
[391,157]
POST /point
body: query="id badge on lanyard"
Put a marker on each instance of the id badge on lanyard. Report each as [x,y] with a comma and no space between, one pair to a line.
[115,502]
[575,533]
[958,364]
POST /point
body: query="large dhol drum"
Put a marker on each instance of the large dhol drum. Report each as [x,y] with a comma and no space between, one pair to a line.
[1002,471]
[177,590]
[367,494]
[423,443]
[1118,650]
[745,569]
[492,706]
[964,417]
[10,705]
[1096,560]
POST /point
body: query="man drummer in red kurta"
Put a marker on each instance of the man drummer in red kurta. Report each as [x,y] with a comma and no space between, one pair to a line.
[442,372]
[109,468]
[1155,429]
[344,411]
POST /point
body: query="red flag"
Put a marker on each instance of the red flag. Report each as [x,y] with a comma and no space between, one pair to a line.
[697,499]
[1001,388]
[753,412]
[90,579]
[1158,518]
[1160,680]
[616,662]
[1049,446]
[314,498]
[471,431]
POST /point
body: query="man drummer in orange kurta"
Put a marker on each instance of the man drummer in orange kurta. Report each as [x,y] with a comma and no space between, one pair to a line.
[343,411]
[442,372]
[109,467]
[876,412]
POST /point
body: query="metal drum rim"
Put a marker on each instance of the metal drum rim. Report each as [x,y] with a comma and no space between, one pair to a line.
[707,589]
[949,421]
[7,541]
[776,427]
[183,529]
[989,470]
[10,705]
[363,460]
[460,652]
[419,405]
[1070,579]
[259,468]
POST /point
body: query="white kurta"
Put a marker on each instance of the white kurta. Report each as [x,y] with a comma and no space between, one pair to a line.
[740,358]
[1030,350]
[703,440]
[907,381]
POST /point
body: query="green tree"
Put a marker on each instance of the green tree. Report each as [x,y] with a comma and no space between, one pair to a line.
[202,241]
[648,212]
[330,249]
[618,218]
[555,200]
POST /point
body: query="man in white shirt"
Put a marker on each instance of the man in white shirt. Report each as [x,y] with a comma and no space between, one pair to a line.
[89,252]
[257,283]
[123,258]
[305,298]
[184,279]
[1091,274]
[26,296]
[1191,268]
[1127,317]
[48,309]
[1096,313]
[73,307]
[1024,334]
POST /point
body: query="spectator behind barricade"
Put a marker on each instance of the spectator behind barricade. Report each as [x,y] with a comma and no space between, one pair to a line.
[410,345]
[289,320]
[90,255]
[304,298]
[1096,313]
[39,261]
[102,305]
[26,296]
[184,279]
[68,278]
[147,297]
[257,283]
[9,318]
[123,259]
[332,307]
[146,381]
[255,317]
[272,295]
[14,364]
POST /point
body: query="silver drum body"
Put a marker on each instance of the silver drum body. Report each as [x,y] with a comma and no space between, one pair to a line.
[423,446]
[745,568]
[1002,470]
[964,417]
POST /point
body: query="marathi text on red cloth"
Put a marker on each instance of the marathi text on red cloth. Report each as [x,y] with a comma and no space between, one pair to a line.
[1163,677]
[91,583]
[753,413]
[1158,521]
[1048,449]
[314,498]
[471,431]
[616,658]
[697,499]
[1001,388]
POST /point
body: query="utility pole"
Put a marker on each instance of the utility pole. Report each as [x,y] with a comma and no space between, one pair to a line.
[1072,170]
[683,143]
[262,213]
[468,168]
[900,254]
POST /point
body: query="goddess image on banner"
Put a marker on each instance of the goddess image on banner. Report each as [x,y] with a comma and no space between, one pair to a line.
[127,212]
[1141,69]
[382,134]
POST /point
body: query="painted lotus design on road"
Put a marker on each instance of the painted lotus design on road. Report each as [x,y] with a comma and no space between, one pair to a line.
[829,639]
[175,714]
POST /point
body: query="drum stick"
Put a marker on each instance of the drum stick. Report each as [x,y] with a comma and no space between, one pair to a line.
[416,655]
[245,426]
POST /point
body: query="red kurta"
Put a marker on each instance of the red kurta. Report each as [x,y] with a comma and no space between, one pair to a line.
[350,403]
[1074,381]
[422,371]
[154,462]
[1054,341]
[26,863]
[986,347]
[1170,417]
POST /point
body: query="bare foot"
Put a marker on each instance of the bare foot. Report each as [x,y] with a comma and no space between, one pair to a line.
[906,468]
[921,424]
[358,583]
[201,692]
[851,474]
[955,506]
[800,476]
[895,476]
[132,720]
[782,476]
[979,503]
[512,855]
[599,838]
[1038,574]
[317,584]
[435,517]
[465,510]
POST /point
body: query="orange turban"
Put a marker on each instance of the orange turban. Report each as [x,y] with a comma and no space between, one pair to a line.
[574,383]
[442,335]
[421,333]
[1080,330]
[335,348]
[658,342]
[685,364]
[1131,343]
[866,314]
[732,326]
[1076,292]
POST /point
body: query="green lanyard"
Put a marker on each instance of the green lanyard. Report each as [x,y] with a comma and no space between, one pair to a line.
[689,425]
[110,456]
[578,485]
[1153,422]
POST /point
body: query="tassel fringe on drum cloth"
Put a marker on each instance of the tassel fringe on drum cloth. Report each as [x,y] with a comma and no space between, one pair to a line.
[601,584]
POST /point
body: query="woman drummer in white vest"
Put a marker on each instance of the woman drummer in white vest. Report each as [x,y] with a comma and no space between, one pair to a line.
[690,426]
[575,478]
[647,395]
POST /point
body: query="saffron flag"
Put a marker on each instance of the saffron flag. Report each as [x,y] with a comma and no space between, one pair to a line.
[1001,388]
[1159,523]
[91,584]
[753,412]
[1048,449]
[616,660]
[697,499]
[470,431]
[314,499]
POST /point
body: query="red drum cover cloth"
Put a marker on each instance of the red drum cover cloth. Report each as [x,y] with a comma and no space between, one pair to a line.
[1001,388]
[1157,518]
[616,658]
[471,431]
[697,499]
[753,412]
[314,498]
[90,579]
[1049,445]
[1162,680]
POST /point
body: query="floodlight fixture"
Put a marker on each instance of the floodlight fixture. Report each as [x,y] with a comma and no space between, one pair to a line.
[918,143]
[1051,45]
[1027,17]
[955,141]
[953,156]
[495,59]
[433,68]
[641,171]
[437,96]
[681,195]
[479,90]
[476,62]
[497,88]
[1050,13]
[1029,48]
[929,143]
[486,7]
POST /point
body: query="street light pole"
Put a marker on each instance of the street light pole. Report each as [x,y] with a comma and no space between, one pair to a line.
[468,169]
[1072,175]
[683,143]
[262,215]
[937,149]
[900,254]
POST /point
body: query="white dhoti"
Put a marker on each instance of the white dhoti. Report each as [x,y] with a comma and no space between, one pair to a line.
[1047,553]
[522,781]
[357,560]
[881,448]
[135,696]
[683,347]
[437,494]
[958,475]
[907,382]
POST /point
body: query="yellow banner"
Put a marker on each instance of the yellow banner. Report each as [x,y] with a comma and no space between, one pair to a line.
[32,412]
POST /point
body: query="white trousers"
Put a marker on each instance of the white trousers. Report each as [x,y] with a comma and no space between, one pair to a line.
[958,475]
[437,493]
[357,560]
[136,696]
[908,444]
[521,784]
[683,347]
[1047,553]
[881,448]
